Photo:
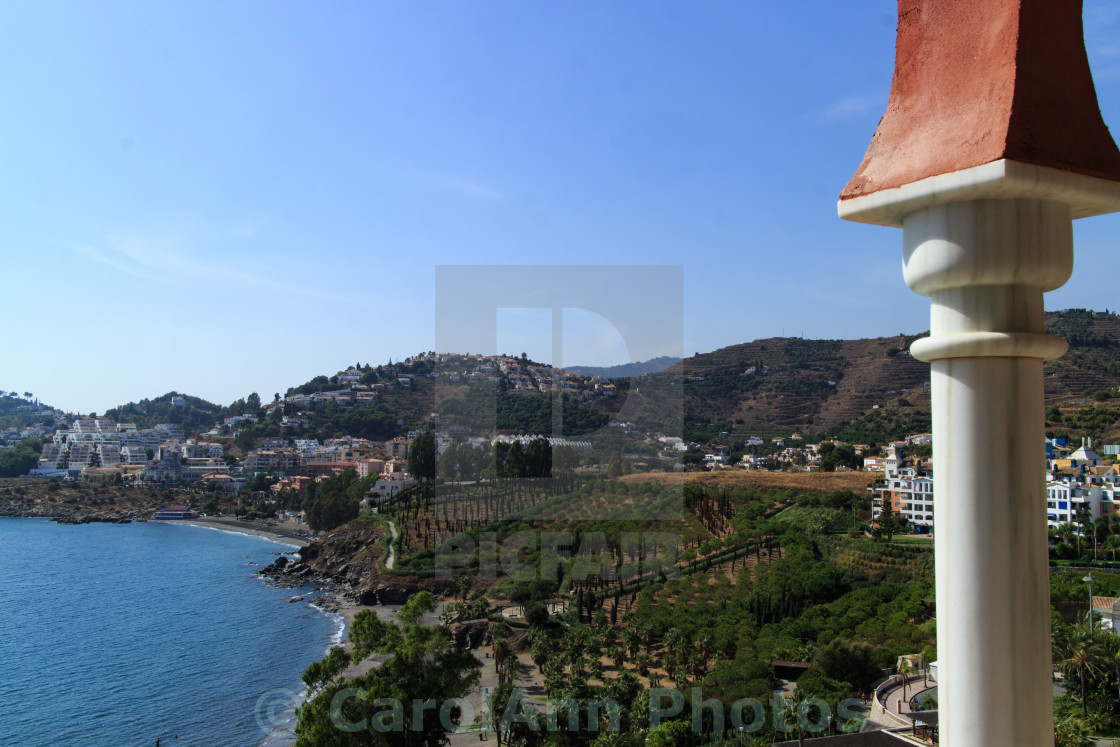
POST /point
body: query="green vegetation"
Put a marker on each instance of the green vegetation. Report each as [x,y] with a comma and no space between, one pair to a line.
[881,426]
[195,414]
[1089,659]
[423,663]
[327,420]
[833,456]
[422,457]
[483,409]
[755,576]
[1092,421]
[22,411]
[1076,326]
[334,501]
[21,458]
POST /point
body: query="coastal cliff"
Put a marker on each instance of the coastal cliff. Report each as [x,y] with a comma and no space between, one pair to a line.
[349,560]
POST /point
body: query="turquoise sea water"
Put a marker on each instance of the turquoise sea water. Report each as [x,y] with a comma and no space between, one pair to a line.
[121,634]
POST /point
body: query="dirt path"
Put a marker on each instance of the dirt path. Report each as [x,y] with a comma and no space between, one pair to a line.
[392,557]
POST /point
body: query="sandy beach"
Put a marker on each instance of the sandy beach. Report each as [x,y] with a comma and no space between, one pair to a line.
[275,530]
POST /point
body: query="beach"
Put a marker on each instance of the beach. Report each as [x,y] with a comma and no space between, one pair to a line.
[281,531]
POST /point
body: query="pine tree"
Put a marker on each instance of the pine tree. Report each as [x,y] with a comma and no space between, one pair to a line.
[888,525]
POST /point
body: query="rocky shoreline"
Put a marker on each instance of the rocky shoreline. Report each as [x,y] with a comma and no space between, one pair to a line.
[345,562]
[61,515]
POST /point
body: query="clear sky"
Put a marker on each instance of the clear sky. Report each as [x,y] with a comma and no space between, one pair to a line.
[226,197]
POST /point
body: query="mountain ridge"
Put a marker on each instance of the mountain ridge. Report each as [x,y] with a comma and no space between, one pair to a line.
[862,389]
[627,370]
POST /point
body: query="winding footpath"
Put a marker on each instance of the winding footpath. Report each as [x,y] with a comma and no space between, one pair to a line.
[392,556]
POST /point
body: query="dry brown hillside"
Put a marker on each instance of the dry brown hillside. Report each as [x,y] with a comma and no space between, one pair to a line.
[869,389]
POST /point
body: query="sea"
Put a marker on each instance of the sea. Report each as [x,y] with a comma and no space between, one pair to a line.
[121,634]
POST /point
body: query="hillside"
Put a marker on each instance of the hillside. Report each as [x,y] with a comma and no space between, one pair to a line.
[780,386]
[1093,361]
[653,365]
[868,389]
[23,411]
[193,414]
[856,390]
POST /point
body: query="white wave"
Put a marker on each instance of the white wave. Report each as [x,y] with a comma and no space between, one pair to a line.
[246,533]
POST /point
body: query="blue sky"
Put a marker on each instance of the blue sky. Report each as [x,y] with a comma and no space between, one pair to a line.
[220,198]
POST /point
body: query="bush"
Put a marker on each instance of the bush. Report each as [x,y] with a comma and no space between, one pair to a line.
[536,614]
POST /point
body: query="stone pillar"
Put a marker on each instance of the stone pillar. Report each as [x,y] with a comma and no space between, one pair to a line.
[985,265]
[991,145]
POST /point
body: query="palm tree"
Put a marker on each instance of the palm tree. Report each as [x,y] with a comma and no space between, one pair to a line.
[596,669]
[1084,520]
[1066,531]
[617,656]
[905,670]
[1078,652]
[1112,656]
[704,649]
[502,654]
[790,707]
[648,634]
[696,666]
[499,703]
[633,639]
[670,668]
[674,642]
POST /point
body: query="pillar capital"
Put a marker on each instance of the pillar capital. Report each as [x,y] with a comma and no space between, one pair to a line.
[1085,196]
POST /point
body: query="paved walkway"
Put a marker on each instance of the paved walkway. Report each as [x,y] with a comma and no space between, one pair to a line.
[889,708]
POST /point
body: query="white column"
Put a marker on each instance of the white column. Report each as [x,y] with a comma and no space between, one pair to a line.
[985,264]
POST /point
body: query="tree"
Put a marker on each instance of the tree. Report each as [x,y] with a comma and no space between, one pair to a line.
[536,614]
[814,684]
[789,713]
[422,457]
[322,673]
[851,662]
[564,458]
[416,606]
[423,664]
[888,525]
[616,467]
[20,459]
[673,734]
[1084,524]
[515,461]
[336,500]
[245,439]
[502,653]
[1077,652]
[523,727]
[833,456]
[538,458]
[905,670]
